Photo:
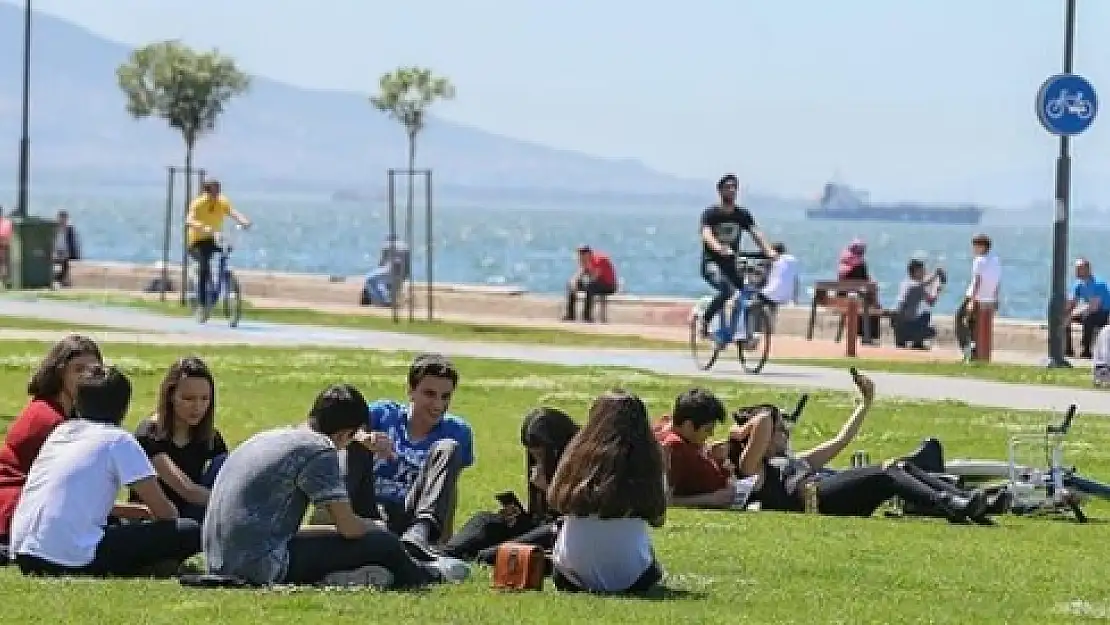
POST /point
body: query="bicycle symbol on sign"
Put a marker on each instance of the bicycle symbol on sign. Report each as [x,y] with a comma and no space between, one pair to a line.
[1070,103]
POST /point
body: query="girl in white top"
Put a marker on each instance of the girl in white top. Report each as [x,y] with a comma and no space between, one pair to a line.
[609,486]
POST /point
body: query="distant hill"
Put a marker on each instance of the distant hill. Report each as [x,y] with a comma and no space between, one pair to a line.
[80,132]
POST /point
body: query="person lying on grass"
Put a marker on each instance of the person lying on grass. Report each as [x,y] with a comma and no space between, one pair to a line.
[181,438]
[53,387]
[545,434]
[699,474]
[252,529]
[609,486]
[61,522]
[781,477]
[406,472]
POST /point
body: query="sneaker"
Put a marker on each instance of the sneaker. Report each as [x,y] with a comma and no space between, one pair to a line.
[451,570]
[370,576]
[418,549]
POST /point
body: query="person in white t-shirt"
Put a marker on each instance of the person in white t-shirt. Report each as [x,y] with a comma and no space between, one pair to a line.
[63,525]
[982,291]
[782,282]
[609,486]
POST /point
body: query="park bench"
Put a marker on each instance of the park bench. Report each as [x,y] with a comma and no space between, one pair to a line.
[833,296]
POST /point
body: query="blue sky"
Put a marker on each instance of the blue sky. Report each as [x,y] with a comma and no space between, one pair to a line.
[925,98]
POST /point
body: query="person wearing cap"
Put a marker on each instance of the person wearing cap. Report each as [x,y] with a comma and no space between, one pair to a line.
[722,226]
[203,221]
[1087,306]
[594,277]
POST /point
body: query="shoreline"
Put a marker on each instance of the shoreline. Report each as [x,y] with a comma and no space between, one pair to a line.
[481,302]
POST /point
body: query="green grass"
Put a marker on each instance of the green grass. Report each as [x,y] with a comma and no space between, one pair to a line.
[727,567]
[1079,377]
[8,322]
[446,329]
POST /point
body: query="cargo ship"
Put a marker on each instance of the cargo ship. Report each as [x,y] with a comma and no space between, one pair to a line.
[841,203]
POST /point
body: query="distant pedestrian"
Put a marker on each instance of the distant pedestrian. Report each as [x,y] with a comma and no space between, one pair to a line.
[67,248]
[594,277]
[982,292]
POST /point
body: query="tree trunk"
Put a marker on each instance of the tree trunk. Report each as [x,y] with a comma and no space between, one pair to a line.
[189,144]
[409,227]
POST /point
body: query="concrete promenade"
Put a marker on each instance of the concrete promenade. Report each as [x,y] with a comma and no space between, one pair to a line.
[656,317]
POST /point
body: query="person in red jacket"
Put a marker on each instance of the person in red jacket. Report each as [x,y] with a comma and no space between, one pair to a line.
[52,388]
[595,276]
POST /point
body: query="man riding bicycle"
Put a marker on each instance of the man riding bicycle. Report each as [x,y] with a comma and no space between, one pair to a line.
[203,222]
[722,227]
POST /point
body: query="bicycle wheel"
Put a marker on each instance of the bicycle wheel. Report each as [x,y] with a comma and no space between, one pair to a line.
[704,349]
[233,301]
[753,353]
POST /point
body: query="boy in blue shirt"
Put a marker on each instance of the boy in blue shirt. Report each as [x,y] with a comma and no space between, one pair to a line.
[406,472]
[1089,306]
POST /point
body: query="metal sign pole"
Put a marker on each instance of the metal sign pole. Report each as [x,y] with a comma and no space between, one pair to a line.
[394,282]
[166,230]
[429,240]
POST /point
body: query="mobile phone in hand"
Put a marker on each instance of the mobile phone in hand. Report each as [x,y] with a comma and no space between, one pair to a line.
[508,499]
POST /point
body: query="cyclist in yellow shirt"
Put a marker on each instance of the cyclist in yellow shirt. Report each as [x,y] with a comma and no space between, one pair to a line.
[203,221]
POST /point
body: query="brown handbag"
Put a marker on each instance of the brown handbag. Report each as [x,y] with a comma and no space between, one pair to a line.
[518,567]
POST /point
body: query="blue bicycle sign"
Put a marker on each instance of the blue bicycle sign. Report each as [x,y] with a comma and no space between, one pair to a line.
[1066,104]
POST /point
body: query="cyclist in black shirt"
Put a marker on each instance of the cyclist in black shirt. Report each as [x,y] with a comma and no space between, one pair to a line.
[722,227]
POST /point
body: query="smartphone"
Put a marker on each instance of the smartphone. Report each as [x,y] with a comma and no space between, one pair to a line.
[853,371]
[509,498]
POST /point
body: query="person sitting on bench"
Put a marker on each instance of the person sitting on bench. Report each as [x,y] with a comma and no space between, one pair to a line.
[1089,306]
[595,277]
[912,320]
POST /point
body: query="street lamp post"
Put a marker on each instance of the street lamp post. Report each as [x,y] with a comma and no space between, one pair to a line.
[1057,324]
[25,138]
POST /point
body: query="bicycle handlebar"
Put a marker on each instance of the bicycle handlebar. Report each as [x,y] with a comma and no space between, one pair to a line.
[750,256]
[1064,425]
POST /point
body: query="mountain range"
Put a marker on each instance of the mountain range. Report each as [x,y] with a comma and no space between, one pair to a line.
[81,133]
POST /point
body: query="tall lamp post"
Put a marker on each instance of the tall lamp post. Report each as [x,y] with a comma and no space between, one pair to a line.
[25,138]
[1057,322]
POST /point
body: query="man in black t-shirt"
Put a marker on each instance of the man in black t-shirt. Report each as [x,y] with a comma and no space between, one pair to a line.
[722,227]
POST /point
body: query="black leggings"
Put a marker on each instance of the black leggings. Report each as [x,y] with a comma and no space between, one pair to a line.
[647,581]
[860,491]
[485,531]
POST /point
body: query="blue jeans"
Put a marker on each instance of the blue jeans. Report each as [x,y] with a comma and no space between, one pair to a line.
[379,291]
[723,277]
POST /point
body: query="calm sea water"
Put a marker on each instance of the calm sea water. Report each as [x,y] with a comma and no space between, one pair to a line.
[655,248]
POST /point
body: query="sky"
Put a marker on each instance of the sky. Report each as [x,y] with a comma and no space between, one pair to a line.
[929,99]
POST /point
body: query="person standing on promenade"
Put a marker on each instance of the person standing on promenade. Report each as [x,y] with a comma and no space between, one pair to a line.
[982,292]
[204,220]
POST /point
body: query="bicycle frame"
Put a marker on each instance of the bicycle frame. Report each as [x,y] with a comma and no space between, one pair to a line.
[736,319]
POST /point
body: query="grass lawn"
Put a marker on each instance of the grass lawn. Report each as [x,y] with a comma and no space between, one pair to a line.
[723,567]
[31,323]
[1079,377]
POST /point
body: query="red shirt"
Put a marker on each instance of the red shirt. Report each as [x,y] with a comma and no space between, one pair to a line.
[21,446]
[692,471]
[601,268]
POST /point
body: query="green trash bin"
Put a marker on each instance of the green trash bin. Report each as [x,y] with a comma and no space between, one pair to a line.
[32,253]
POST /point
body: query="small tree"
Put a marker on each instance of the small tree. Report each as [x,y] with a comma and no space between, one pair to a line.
[405,94]
[188,89]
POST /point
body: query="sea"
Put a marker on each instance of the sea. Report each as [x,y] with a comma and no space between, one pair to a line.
[531,244]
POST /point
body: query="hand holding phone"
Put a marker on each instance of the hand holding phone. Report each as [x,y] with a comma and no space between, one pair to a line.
[511,508]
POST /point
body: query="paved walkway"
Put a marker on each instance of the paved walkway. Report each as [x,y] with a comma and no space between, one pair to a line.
[177,330]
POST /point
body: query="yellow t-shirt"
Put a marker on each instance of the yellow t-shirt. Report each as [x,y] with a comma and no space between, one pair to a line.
[209,211]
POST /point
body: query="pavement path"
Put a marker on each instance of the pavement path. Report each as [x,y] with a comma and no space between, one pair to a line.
[146,327]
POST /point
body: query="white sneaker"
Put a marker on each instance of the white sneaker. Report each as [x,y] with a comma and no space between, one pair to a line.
[370,576]
[451,569]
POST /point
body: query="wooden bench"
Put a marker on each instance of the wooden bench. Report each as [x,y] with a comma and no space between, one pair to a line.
[833,295]
[603,302]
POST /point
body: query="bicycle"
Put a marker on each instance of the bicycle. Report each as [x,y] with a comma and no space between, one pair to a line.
[224,289]
[746,309]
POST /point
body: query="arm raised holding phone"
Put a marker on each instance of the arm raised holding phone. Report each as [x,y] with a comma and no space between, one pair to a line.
[823,453]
